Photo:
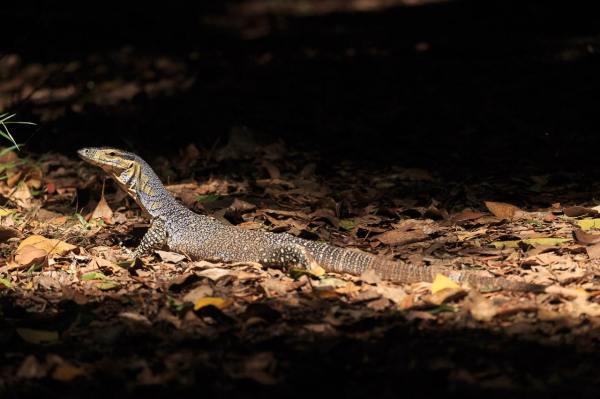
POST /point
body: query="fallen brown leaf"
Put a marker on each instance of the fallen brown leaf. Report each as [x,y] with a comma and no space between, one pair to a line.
[575,211]
[103,211]
[51,246]
[502,210]
[29,255]
[7,232]
[394,237]
[586,238]
[479,307]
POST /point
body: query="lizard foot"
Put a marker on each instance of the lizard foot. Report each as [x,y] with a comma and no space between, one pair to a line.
[290,255]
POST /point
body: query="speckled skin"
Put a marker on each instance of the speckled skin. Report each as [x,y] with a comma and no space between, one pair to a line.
[202,237]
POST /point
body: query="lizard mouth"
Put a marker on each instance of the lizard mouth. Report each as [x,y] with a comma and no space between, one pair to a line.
[87,155]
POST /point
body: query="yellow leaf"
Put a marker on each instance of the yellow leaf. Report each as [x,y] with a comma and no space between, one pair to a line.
[14,179]
[66,373]
[6,211]
[531,241]
[445,295]
[442,282]
[317,271]
[107,286]
[216,302]
[589,223]
[37,336]
[51,246]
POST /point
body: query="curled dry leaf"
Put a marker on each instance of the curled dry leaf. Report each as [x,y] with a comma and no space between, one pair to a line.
[575,211]
[502,210]
[466,215]
[586,238]
[274,172]
[22,196]
[7,232]
[394,237]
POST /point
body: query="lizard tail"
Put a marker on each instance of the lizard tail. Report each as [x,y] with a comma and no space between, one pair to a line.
[345,261]
[396,270]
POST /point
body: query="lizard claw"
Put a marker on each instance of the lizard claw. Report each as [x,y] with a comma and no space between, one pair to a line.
[129,253]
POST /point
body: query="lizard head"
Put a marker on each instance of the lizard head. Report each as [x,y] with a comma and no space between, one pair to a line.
[133,174]
[112,160]
[121,165]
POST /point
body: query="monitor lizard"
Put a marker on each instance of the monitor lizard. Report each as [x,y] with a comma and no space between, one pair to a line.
[203,237]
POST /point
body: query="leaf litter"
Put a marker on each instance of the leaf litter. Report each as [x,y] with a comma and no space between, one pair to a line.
[71,266]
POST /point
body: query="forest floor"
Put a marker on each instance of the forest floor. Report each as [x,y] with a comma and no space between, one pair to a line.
[399,133]
[76,309]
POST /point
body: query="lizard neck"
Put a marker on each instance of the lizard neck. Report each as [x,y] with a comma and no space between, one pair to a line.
[144,186]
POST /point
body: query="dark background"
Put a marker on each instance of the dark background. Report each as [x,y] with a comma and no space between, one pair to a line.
[502,87]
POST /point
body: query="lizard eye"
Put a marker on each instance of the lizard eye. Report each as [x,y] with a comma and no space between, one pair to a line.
[112,154]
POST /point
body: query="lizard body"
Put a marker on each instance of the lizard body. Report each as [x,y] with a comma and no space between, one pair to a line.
[202,237]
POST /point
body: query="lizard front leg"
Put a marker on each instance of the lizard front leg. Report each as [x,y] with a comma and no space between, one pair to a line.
[157,234]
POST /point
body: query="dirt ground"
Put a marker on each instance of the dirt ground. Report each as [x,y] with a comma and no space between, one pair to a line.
[459,134]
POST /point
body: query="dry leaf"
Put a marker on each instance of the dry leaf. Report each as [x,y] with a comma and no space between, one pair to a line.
[479,307]
[274,172]
[170,257]
[586,238]
[211,301]
[6,211]
[66,373]
[575,211]
[7,232]
[37,336]
[466,215]
[29,255]
[502,210]
[588,224]
[593,251]
[22,196]
[462,236]
[531,241]
[51,246]
[408,301]
[103,211]
[198,293]
[441,282]
[214,273]
[370,277]
[394,237]
[445,295]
